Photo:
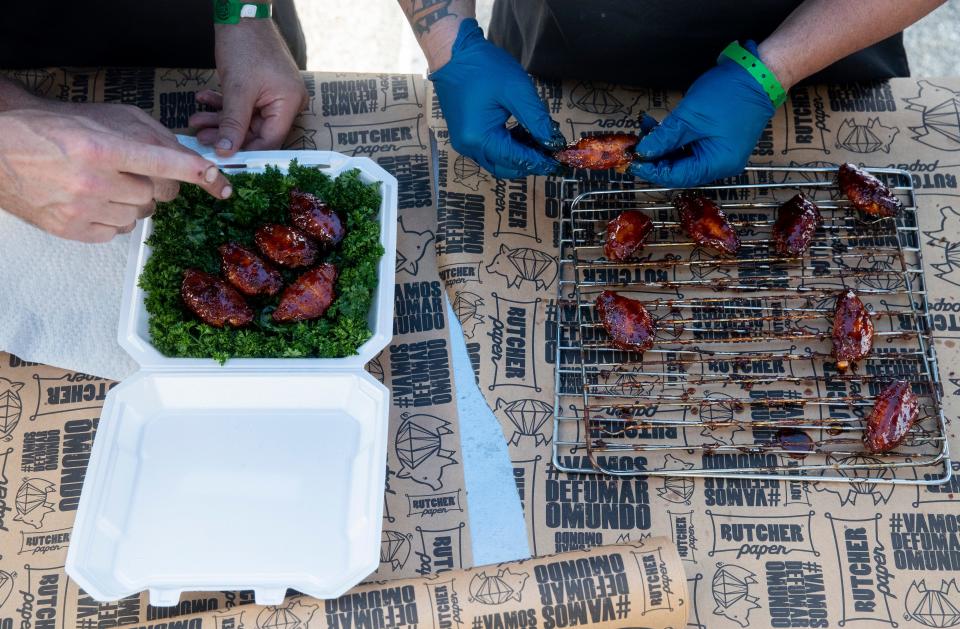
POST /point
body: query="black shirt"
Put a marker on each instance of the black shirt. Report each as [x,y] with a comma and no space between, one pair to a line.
[129,33]
[657,42]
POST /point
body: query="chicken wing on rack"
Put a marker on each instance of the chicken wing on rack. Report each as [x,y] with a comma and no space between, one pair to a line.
[213,300]
[797,222]
[894,413]
[706,223]
[286,246]
[627,322]
[309,296]
[626,235]
[852,330]
[248,272]
[867,193]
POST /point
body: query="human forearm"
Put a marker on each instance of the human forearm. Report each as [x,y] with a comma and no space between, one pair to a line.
[435,24]
[820,32]
[262,90]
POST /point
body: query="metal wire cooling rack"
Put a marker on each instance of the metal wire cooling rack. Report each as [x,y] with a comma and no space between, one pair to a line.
[740,381]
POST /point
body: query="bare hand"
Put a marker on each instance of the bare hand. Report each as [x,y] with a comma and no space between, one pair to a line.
[128,121]
[81,180]
[262,90]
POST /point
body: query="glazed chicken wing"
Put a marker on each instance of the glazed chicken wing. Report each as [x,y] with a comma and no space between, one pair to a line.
[286,246]
[308,297]
[852,330]
[797,221]
[214,301]
[626,235]
[892,417]
[627,322]
[248,272]
[314,217]
[706,223]
[867,193]
[600,152]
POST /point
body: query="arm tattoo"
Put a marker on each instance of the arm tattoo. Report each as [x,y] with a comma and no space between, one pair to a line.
[423,14]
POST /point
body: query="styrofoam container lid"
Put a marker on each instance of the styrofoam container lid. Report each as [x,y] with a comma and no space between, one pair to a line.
[262,474]
[233,481]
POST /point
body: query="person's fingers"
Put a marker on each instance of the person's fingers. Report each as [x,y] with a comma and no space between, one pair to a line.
[530,111]
[210,98]
[668,136]
[238,106]
[147,210]
[166,163]
[207,137]
[165,189]
[94,233]
[512,159]
[131,189]
[647,123]
[272,125]
[204,119]
[114,214]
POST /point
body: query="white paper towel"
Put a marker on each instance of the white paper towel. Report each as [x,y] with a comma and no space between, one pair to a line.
[60,300]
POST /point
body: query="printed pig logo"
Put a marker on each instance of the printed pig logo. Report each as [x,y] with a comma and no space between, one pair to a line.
[414,248]
[498,589]
[865,138]
[32,505]
[295,615]
[731,592]
[949,226]
[10,407]
[468,173]
[419,446]
[524,264]
[940,111]
[933,608]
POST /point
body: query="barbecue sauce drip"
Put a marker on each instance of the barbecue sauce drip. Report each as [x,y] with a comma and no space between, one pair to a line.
[795,441]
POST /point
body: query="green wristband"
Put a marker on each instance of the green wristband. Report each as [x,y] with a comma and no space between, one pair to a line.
[231,11]
[758,70]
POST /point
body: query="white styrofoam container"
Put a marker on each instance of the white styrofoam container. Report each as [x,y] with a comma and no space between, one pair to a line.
[261,474]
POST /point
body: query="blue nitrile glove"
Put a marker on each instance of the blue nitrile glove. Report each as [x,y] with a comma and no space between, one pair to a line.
[720,120]
[478,89]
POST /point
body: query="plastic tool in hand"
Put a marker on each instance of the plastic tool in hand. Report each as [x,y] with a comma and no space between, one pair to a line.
[719,120]
[479,88]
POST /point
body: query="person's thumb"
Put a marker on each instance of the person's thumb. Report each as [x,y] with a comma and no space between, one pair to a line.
[235,117]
